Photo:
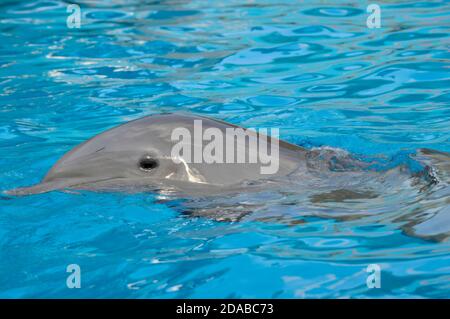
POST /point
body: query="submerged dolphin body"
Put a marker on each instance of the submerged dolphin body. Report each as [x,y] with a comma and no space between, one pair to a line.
[137,156]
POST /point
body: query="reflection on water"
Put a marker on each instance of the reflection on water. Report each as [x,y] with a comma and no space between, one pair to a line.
[313,69]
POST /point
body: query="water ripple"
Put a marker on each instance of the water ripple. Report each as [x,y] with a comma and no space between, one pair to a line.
[313,69]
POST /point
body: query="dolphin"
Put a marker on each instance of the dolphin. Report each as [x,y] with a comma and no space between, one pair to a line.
[137,156]
[326,182]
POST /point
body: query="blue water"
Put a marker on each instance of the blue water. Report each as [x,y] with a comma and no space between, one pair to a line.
[313,70]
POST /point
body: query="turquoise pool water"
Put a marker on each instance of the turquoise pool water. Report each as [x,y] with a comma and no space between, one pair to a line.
[316,71]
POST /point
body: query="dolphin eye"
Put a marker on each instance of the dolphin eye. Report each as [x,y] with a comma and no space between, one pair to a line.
[147,163]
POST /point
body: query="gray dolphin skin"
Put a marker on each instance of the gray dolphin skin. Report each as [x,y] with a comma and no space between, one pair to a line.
[113,160]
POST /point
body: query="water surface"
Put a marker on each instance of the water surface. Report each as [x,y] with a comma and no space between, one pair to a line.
[313,70]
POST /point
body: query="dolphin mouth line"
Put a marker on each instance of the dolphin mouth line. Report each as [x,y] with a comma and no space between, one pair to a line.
[49,186]
[99,184]
[93,182]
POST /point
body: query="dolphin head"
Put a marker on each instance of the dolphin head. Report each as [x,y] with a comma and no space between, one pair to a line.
[133,154]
